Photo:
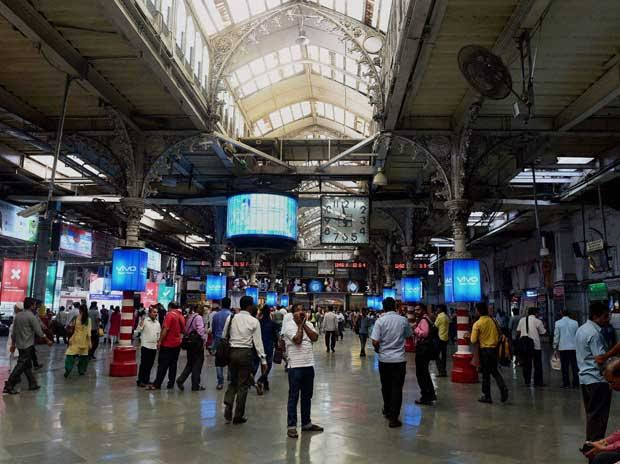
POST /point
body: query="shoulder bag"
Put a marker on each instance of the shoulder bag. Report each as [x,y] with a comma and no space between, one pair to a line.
[191,340]
[526,344]
[222,353]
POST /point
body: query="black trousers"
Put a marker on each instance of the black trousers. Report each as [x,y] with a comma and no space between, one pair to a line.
[568,359]
[363,341]
[597,401]
[167,362]
[94,341]
[241,378]
[392,377]
[443,357]
[607,458]
[23,366]
[423,375]
[488,366]
[147,359]
[330,340]
[341,330]
[195,360]
[536,360]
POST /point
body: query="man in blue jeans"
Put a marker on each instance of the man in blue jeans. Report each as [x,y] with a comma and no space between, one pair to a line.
[217,329]
[299,336]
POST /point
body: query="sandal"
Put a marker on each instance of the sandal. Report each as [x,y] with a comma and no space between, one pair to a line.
[292,433]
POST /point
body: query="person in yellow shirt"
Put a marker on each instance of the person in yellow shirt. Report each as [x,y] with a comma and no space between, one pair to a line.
[442,322]
[486,333]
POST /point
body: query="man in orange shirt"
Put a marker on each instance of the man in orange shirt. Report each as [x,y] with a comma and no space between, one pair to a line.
[169,347]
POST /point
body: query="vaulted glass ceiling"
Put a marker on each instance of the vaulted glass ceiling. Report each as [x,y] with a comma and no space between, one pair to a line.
[219,14]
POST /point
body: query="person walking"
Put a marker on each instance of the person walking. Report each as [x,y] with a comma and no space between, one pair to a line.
[442,322]
[532,327]
[169,345]
[422,334]
[341,323]
[244,334]
[564,342]
[194,328]
[61,324]
[595,390]
[330,325]
[487,333]
[512,329]
[299,335]
[269,333]
[95,321]
[79,343]
[24,329]
[388,338]
[150,330]
[362,324]
[115,325]
[217,328]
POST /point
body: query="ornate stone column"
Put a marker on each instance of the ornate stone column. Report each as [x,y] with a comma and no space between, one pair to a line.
[134,210]
[254,265]
[408,254]
[458,212]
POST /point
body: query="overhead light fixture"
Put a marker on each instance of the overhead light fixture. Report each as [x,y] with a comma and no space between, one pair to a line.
[302,38]
[380,178]
[544,251]
[356,253]
[223,256]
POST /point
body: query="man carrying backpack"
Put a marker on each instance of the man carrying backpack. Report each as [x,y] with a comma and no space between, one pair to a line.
[487,332]
[426,350]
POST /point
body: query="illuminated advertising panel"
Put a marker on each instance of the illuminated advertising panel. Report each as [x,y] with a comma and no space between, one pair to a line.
[149,296]
[76,241]
[129,270]
[389,293]
[154,260]
[315,286]
[272,299]
[216,286]
[412,289]
[253,292]
[262,214]
[16,279]
[14,226]
[165,294]
[462,282]
[284,300]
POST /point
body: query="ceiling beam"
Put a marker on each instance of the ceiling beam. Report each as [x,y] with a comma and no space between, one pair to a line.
[348,152]
[597,96]
[20,108]
[221,154]
[22,15]
[254,151]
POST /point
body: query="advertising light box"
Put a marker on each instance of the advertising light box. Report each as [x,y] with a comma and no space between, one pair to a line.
[389,293]
[165,294]
[261,214]
[129,270]
[216,286]
[272,299]
[412,289]
[253,292]
[284,300]
[154,259]
[76,241]
[462,282]
[149,296]
[315,286]
[374,302]
[14,226]
[16,280]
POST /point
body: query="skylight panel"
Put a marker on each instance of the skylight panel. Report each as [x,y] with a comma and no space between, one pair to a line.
[271,60]
[327,3]
[233,81]
[349,119]
[287,71]
[258,66]
[329,111]
[273,3]
[296,52]
[338,76]
[574,160]
[316,68]
[305,108]
[296,109]
[386,8]
[257,6]
[276,119]
[285,55]
[243,74]
[275,76]
[320,109]
[339,60]
[262,81]
[355,9]
[249,88]
[324,56]
[326,72]
[339,114]
[340,6]
[313,52]
[363,87]
[287,115]
[238,10]
[351,66]
[298,67]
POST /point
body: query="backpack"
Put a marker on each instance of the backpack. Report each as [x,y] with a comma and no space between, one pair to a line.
[430,346]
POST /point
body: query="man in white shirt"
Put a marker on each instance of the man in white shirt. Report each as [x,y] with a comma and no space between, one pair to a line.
[341,320]
[532,327]
[564,341]
[299,336]
[149,330]
[73,313]
[244,334]
[330,325]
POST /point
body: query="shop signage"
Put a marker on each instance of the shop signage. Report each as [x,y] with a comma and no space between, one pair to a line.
[350,265]
[412,289]
[595,245]
[598,291]
[253,292]
[272,299]
[16,278]
[389,293]
[284,300]
[129,270]
[462,281]
[165,294]
[149,296]
[216,287]
[532,293]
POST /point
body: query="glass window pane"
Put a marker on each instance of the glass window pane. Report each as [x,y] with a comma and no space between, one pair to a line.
[305,108]
[262,81]
[274,76]
[256,6]
[338,76]
[276,119]
[298,68]
[349,119]
[285,55]
[316,68]
[271,60]
[324,56]
[340,6]
[238,10]
[339,60]
[351,66]
[181,19]
[313,52]
[249,88]
[363,88]
[273,3]
[386,8]
[233,81]
[287,71]
[350,81]
[287,115]
[329,111]
[320,108]
[355,9]
[257,66]
[296,108]
[339,114]
[243,73]
[296,52]
[326,72]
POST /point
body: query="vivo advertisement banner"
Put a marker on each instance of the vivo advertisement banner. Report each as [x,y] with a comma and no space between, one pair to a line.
[389,293]
[253,292]
[272,299]
[412,289]
[165,294]
[216,287]
[262,214]
[76,241]
[14,226]
[129,270]
[462,283]
[284,300]
[16,279]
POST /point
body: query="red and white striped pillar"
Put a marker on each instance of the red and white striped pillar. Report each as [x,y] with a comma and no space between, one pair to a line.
[124,355]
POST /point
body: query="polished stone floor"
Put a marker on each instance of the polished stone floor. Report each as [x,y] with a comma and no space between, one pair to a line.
[100,419]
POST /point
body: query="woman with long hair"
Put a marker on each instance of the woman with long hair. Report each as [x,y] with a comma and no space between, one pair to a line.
[79,343]
[115,325]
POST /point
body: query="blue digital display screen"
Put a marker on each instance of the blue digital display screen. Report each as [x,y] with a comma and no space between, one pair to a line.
[253,292]
[283,300]
[272,299]
[412,289]
[389,293]
[216,286]
[262,214]
[374,302]
[315,286]
[129,270]
[462,283]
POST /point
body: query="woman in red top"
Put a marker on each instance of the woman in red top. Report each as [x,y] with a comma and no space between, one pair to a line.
[115,325]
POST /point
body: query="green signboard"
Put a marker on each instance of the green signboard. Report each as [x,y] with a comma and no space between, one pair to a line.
[598,291]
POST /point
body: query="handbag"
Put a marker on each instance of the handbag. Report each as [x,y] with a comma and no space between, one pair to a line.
[555,362]
[525,345]
[222,353]
[278,354]
[100,332]
[191,340]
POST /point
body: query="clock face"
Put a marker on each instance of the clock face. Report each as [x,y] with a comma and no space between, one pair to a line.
[345,220]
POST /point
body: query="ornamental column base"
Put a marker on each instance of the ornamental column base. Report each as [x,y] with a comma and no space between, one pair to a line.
[462,369]
[124,354]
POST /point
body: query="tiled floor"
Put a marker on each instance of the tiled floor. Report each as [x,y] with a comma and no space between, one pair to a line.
[108,420]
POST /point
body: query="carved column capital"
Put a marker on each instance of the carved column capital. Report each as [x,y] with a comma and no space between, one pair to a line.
[134,210]
[458,212]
